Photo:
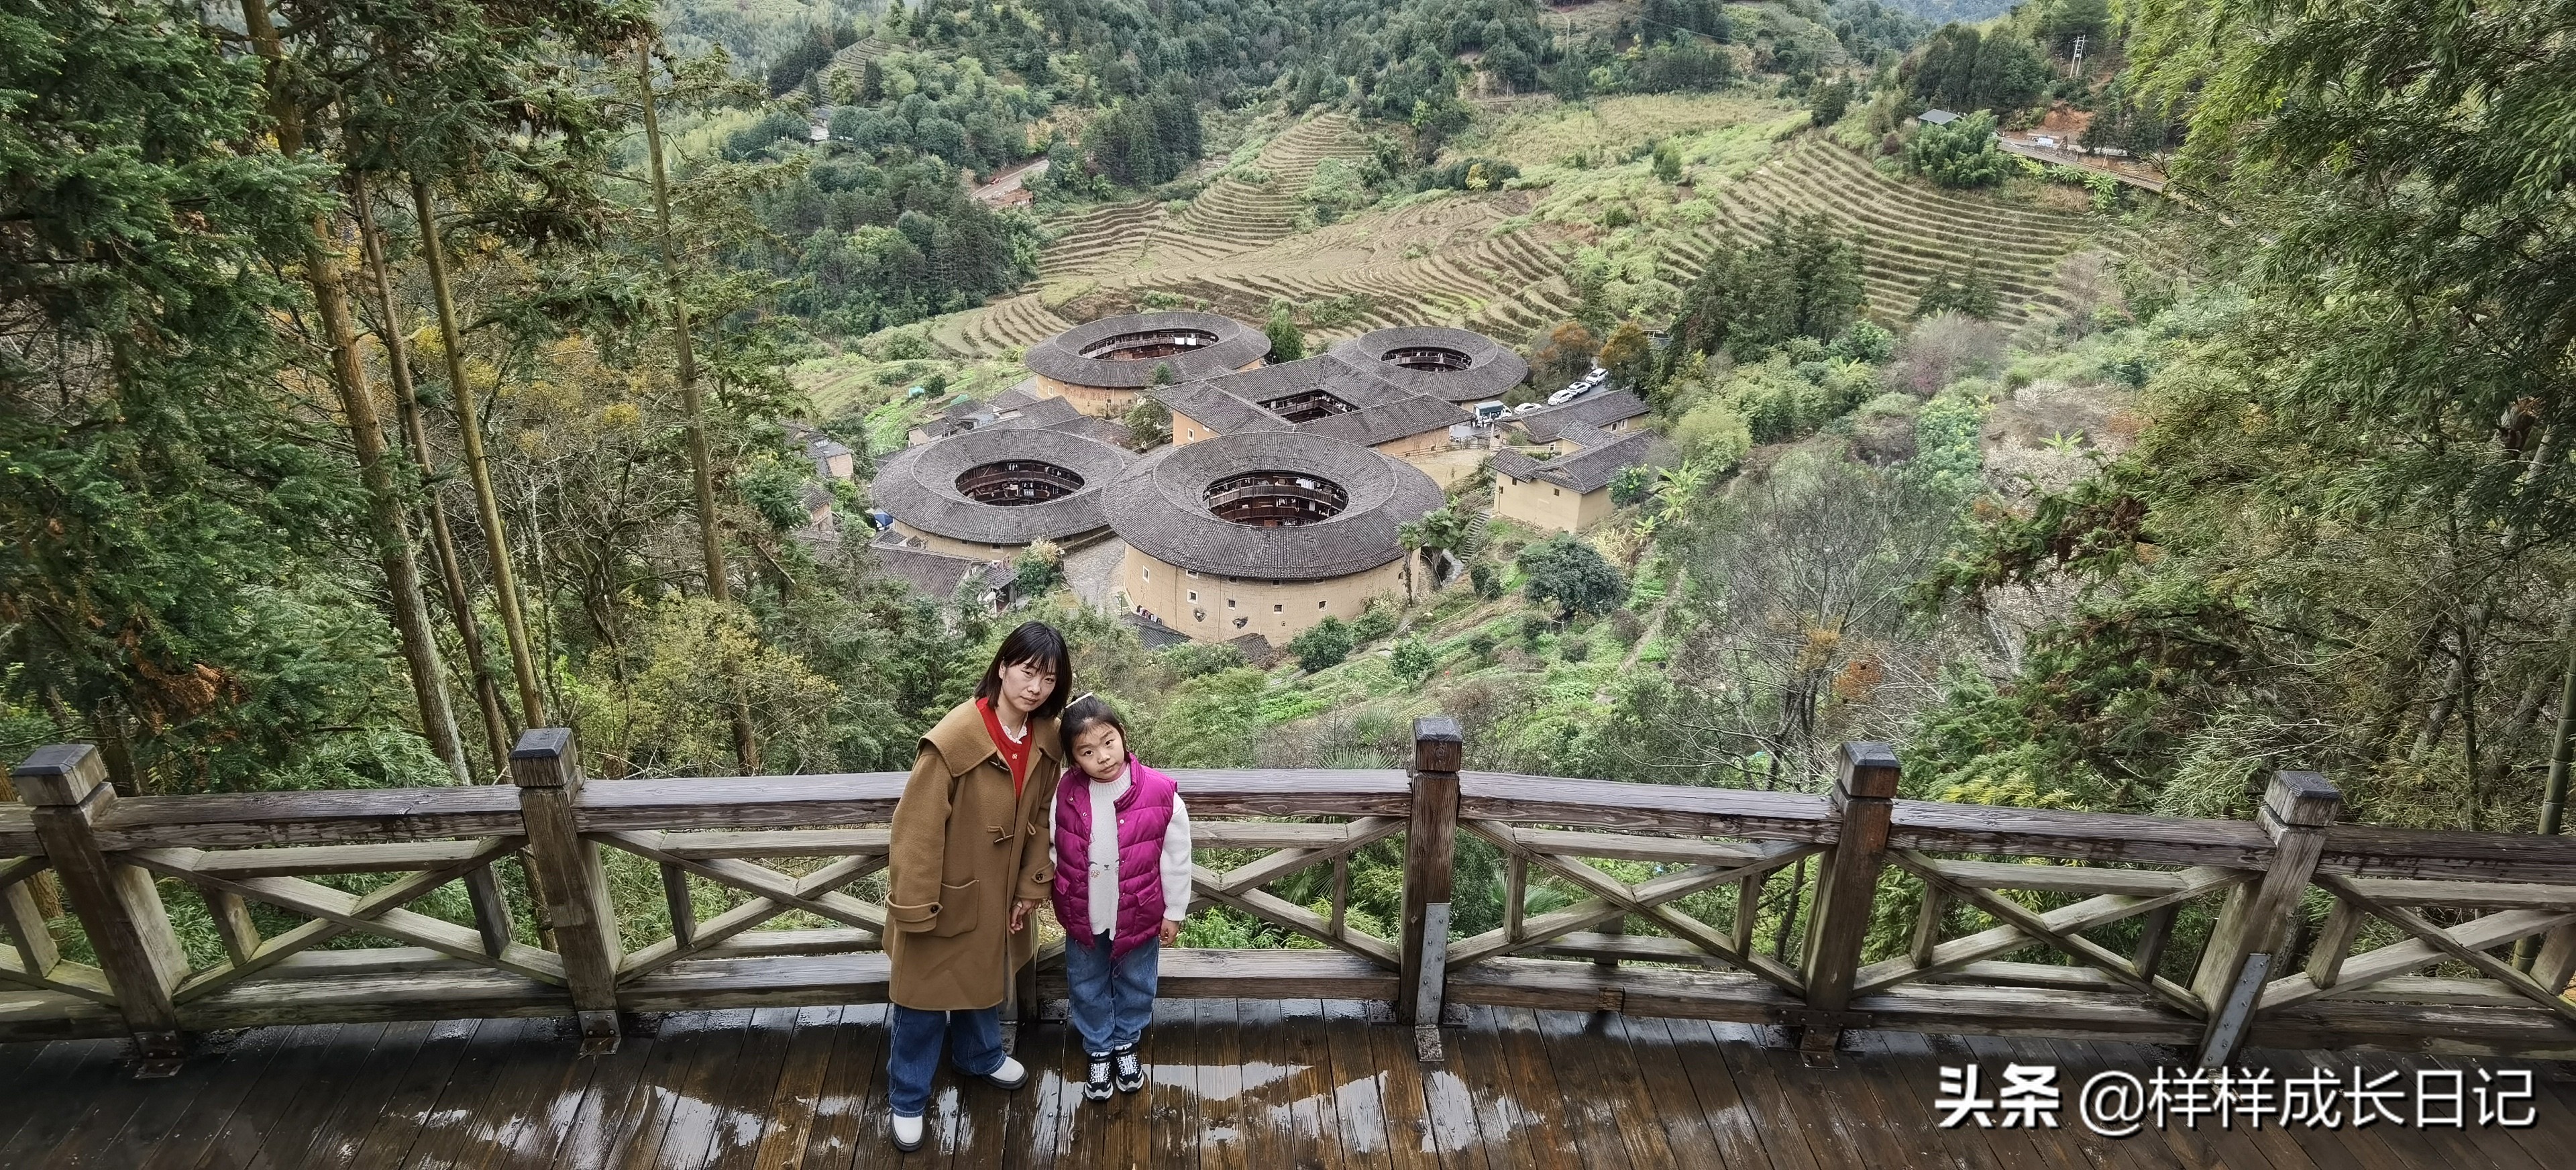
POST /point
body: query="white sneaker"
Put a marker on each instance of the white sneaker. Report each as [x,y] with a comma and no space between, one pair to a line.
[1010,1075]
[907,1133]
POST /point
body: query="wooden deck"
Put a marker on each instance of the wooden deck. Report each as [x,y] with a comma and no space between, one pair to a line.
[1235,1084]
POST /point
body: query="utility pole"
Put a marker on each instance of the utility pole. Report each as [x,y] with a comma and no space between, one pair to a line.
[2079,54]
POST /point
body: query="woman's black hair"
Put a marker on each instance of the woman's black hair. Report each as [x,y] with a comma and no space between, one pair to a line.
[1034,642]
[1082,714]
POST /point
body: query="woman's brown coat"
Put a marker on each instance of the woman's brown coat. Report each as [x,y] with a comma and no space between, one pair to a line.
[962,849]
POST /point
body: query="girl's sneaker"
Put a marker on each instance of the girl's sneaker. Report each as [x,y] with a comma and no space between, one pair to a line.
[1131,1072]
[1097,1087]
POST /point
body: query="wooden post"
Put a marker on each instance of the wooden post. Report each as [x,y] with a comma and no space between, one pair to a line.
[1430,844]
[2244,948]
[65,788]
[548,773]
[1846,888]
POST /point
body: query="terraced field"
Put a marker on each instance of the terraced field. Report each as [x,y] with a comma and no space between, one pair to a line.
[1466,261]
[1236,248]
[1912,234]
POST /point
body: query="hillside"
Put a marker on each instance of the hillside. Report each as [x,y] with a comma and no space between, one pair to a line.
[1506,262]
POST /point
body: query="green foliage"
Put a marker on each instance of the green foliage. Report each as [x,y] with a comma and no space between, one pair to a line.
[1864,341]
[1412,661]
[1211,721]
[1668,163]
[1485,579]
[1831,100]
[1323,645]
[1962,70]
[1191,660]
[775,488]
[1571,576]
[1967,291]
[1628,355]
[1466,174]
[1964,153]
[1035,573]
[1150,421]
[1141,142]
[1802,280]
[1630,485]
[1287,342]
[1376,620]
[1713,435]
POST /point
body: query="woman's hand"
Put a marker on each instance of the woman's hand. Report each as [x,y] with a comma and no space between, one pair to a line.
[1171,931]
[1020,912]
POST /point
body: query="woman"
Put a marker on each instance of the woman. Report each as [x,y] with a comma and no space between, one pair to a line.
[968,861]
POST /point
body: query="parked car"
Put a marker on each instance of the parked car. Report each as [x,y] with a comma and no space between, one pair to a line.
[1595,378]
[1525,408]
[1567,395]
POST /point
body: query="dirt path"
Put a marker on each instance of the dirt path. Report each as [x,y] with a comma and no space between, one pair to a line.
[1655,623]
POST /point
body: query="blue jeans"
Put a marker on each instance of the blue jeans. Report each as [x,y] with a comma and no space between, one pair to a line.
[912,1052]
[1112,1002]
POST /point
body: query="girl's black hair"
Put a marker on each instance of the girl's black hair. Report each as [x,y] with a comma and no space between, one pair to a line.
[1086,711]
[1034,642]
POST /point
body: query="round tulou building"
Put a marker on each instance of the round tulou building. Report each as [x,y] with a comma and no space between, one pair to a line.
[1452,364]
[1264,533]
[990,494]
[1102,366]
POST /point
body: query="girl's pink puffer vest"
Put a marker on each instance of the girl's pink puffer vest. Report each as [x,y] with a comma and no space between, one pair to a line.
[1144,811]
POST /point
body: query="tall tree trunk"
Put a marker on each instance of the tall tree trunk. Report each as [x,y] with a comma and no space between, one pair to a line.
[366,432]
[2553,792]
[701,464]
[469,426]
[497,732]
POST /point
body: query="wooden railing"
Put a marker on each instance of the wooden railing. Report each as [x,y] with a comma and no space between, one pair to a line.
[554,895]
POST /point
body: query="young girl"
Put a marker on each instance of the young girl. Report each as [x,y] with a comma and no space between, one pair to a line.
[1122,887]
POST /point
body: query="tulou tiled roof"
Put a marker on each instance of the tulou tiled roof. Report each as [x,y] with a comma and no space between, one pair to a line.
[1492,367]
[1158,505]
[1604,455]
[1592,410]
[919,485]
[1379,410]
[1061,357]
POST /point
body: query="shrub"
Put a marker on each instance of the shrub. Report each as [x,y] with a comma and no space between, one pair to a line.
[1572,576]
[1191,660]
[1412,661]
[1485,579]
[1375,622]
[1323,645]
[1961,154]
[1574,649]
[1713,435]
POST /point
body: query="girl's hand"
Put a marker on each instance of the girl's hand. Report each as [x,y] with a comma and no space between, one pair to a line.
[1020,913]
[1171,932]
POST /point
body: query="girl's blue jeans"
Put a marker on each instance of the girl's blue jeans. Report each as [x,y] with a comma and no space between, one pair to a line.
[974,1042]
[1112,1002]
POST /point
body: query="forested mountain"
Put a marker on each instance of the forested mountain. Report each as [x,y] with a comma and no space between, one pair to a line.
[384,378]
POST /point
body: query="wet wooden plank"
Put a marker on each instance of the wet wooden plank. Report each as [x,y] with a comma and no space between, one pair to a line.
[1411,1143]
[2193,1146]
[1029,1135]
[1902,1074]
[1600,1047]
[1840,1103]
[1667,1092]
[790,1115]
[650,1104]
[983,1114]
[742,1094]
[2453,1147]
[1586,1119]
[1268,1115]
[58,1084]
[593,1121]
[101,1113]
[1309,1059]
[184,1138]
[848,1116]
[1551,1143]
[1357,1084]
[1221,1091]
[1907,1066]
[1501,1118]
[336,1140]
[532,1116]
[685,1127]
[2549,1138]
[385,1137]
[211,1070]
[1789,1131]
[1722,1103]
[457,1130]
[1172,1084]
[301,1086]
